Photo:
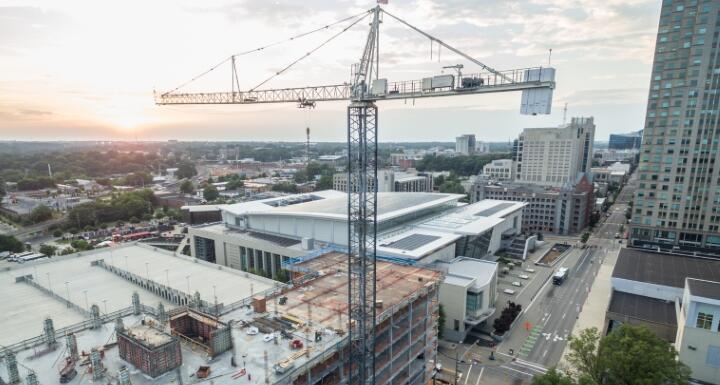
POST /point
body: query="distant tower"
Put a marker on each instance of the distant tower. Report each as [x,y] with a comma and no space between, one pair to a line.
[49,170]
[307,145]
[565,114]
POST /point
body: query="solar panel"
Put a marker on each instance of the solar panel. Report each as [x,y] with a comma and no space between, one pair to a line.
[495,209]
[412,242]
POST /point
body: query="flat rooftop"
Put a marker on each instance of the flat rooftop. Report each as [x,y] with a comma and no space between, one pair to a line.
[73,277]
[664,269]
[333,204]
[643,308]
[705,289]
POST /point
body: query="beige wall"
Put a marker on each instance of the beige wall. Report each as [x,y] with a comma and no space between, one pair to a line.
[700,340]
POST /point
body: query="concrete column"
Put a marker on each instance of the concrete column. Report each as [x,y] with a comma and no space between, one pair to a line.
[12,367]
[136,303]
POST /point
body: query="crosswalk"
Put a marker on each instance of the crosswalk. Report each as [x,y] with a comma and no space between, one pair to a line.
[530,341]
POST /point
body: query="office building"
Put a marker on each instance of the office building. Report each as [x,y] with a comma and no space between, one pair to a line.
[467,293]
[391,181]
[500,170]
[261,236]
[675,296]
[465,144]
[677,203]
[564,210]
[554,156]
[631,141]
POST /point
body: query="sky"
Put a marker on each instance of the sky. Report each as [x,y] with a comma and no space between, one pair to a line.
[87,69]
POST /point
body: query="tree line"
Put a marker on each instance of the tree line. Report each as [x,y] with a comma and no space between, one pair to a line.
[462,165]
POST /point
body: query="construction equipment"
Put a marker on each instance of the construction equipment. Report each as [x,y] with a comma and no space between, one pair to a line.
[203,372]
[365,88]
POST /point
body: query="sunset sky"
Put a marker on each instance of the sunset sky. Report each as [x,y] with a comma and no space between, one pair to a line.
[72,69]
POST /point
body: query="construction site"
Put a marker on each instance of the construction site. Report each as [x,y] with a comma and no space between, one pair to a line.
[259,332]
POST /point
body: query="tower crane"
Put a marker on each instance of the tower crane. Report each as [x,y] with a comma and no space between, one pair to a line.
[365,89]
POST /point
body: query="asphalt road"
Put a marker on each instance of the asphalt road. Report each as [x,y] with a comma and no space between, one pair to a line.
[560,306]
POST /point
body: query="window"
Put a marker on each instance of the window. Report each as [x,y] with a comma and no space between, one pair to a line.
[456,325]
[704,320]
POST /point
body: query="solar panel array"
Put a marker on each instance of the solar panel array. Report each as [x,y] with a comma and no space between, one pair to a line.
[282,241]
[412,242]
[495,209]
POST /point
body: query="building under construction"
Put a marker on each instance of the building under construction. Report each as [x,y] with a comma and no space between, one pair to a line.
[149,349]
[294,334]
[201,330]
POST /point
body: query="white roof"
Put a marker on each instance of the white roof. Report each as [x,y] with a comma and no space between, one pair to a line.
[480,271]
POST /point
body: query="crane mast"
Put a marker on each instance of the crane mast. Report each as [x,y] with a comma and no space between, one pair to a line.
[363,91]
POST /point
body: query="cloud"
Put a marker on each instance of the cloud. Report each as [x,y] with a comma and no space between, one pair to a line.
[34,113]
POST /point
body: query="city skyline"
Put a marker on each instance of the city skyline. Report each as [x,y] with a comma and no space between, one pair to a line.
[95,82]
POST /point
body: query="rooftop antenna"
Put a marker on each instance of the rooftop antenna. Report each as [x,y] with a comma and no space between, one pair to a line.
[565,114]
[549,57]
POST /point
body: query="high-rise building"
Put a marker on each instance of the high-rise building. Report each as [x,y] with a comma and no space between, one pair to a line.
[554,156]
[677,203]
[465,144]
[631,141]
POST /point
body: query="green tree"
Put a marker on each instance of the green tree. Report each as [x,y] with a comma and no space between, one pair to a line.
[285,187]
[67,250]
[631,355]
[40,214]
[81,245]
[10,243]
[48,250]
[2,189]
[441,321]
[185,170]
[585,237]
[187,187]
[325,182]
[210,193]
[57,233]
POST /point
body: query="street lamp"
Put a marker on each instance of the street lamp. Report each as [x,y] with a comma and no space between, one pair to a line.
[147,270]
[187,278]
[67,290]
[49,285]
[167,277]
[87,306]
[105,305]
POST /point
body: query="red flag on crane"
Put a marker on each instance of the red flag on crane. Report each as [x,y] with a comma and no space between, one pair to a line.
[382,1]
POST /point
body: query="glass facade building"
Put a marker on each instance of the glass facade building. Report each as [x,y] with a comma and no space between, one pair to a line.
[677,203]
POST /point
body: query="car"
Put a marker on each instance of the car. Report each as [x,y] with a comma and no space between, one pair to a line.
[509,291]
[529,270]
[516,283]
[524,276]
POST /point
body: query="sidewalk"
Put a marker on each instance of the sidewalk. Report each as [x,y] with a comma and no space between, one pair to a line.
[592,313]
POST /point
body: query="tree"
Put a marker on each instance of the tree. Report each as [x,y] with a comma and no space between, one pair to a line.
[10,243]
[187,187]
[325,182]
[285,187]
[48,250]
[2,189]
[40,214]
[185,170]
[81,245]
[441,321]
[628,355]
[57,233]
[210,193]
[539,236]
[585,237]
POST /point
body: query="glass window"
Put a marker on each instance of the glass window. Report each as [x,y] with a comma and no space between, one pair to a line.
[704,320]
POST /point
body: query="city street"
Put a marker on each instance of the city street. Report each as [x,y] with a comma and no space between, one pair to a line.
[539,337]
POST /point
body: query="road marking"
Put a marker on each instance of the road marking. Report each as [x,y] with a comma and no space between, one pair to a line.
[564,315]
[519,371]
[480,376]
[545,353]
[468,373]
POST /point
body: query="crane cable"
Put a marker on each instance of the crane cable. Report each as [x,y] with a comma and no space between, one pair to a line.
[310,52]
[364,13]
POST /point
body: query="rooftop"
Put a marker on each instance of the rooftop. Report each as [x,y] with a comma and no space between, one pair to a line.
[706,289]
[643,308]
[664,269]
[73,277]
[333,204]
